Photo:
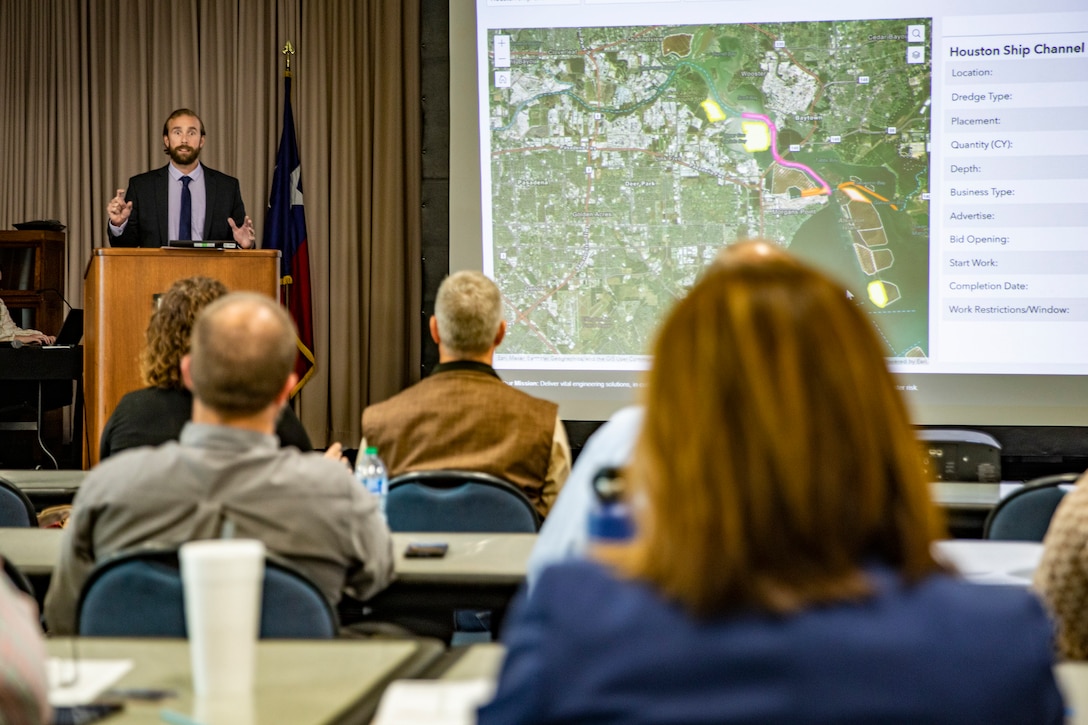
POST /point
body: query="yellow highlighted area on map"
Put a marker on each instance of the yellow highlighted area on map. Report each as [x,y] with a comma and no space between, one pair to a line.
[854,194]
[757,136]
[714,112]
[878,294]
[857,193]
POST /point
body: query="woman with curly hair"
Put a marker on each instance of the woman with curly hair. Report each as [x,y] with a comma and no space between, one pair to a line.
[156,414]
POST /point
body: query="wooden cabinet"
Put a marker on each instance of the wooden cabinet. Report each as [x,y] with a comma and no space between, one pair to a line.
[32,282]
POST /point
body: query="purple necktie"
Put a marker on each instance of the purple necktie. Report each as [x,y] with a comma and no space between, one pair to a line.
[185,223]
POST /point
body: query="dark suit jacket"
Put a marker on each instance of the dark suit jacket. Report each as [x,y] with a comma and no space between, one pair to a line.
[147,226]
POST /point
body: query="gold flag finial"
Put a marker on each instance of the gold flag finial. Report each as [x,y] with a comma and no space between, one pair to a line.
[288,51]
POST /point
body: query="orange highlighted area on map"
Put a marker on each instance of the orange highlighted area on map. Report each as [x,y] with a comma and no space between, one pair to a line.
[870,241]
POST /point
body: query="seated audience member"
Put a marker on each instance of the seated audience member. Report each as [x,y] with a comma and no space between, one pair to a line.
[24,688]
[1062,575]
[463,415]
[22,398]
[564,533]
[782,570]
[156,414]
[227,472]
[10,332]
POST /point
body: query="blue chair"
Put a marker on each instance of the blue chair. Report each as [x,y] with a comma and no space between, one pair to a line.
[16,510]
[450,500]
[1024,515]
[138,593]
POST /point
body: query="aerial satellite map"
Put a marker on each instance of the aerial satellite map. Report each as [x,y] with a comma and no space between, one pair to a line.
[623,158]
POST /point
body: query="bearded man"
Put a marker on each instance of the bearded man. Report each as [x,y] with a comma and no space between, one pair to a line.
[182,200]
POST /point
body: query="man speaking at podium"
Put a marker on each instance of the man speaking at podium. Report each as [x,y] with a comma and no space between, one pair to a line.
[182,200]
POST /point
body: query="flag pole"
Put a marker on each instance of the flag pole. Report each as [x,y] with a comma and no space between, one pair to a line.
[287,52]
[286,231]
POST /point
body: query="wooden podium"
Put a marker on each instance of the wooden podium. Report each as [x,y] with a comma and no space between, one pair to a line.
[119,295]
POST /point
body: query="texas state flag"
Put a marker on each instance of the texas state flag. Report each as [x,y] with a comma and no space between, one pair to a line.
[285,230]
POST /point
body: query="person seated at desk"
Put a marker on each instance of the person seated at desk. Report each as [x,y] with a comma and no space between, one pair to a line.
[156,414]
[10,332]
[228,473]
[564,534]
[24,688]
[782,568]
[1062,575]
[15,399]
[463,415]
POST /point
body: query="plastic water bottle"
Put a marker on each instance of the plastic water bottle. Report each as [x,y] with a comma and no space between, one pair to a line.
[610,520]
[372,473]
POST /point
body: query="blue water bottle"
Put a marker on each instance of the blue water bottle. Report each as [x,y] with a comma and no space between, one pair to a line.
[371,472]
[610,520]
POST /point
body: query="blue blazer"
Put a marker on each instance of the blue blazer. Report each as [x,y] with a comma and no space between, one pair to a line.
[586,647]
[147,226]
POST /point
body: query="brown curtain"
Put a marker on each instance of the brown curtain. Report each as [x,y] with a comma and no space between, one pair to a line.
[88,84]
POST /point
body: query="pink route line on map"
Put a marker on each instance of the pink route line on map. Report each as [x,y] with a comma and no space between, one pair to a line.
[778,158]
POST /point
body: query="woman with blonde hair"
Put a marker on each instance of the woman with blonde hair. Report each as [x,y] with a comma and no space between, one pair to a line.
[782,571]
[156,414]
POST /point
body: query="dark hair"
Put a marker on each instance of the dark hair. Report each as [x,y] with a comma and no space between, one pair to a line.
[181,112]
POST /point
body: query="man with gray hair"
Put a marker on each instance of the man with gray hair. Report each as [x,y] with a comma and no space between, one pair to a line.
[463,416]
[227,473]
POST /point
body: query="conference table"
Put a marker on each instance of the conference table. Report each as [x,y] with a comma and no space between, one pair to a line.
[981,561]
[965,496]
[473,559]
[479,572]
[53,483]
[484,661]
[953,496]
[45,488]
[500,560]
[484,571]
[303,682]
[477,661]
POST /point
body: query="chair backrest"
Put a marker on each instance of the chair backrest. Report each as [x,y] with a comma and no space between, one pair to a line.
[450,500]
[15,508]
[1024,515]
[138,593]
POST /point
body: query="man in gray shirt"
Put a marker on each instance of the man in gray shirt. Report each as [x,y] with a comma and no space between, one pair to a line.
[228,472]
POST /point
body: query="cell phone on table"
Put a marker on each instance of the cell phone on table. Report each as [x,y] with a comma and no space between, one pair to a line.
[426,550]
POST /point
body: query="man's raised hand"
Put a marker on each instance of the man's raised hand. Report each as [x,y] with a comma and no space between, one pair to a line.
[243,235]
[118,209]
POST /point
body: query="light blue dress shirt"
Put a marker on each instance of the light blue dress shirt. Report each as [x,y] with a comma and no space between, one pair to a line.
[199,197]
[563,535]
